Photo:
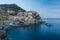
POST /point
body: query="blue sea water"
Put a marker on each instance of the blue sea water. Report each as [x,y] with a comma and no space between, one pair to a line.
[42,32]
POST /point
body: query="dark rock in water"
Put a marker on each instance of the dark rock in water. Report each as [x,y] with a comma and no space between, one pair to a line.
[3,34]
[47,24]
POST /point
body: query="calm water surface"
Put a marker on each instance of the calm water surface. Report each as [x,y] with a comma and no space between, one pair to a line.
[41,33]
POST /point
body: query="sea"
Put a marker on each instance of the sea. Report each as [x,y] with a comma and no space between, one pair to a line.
[42,32]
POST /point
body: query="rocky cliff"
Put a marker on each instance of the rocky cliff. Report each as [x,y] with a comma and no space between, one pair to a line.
[13,15]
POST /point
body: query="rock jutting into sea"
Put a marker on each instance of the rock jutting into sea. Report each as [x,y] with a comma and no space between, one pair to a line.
[12,15]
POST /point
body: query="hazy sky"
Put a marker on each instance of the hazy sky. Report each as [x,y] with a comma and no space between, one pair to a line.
[46,8]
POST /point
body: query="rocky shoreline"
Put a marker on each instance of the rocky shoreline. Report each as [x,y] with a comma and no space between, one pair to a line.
[12,15]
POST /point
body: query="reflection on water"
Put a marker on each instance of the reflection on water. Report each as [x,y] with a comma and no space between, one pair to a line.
[40,33]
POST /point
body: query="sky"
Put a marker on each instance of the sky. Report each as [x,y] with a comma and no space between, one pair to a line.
[46,8]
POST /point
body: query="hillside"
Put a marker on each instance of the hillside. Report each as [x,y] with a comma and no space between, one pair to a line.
[11,7]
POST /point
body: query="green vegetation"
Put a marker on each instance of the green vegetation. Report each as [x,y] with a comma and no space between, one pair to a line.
[11,7]
[3,18]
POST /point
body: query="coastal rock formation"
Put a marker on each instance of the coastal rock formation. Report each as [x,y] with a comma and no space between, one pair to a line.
[3,34]
[12,15]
